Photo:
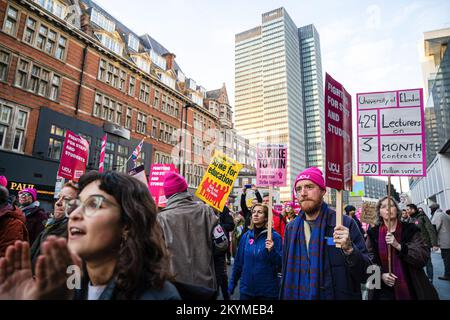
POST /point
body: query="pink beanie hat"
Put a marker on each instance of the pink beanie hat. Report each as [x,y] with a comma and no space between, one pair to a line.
[31,191]
[3,181]
[174,183]
[313,174]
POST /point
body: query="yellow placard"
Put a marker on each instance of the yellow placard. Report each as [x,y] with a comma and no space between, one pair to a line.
[218,180]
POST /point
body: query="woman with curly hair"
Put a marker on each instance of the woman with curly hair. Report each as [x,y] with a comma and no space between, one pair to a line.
[113,229]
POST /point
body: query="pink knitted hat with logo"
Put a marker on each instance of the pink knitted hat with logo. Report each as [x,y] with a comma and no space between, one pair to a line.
[174,183]
[313,174]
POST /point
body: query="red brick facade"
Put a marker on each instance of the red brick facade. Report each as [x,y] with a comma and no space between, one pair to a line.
[79,72]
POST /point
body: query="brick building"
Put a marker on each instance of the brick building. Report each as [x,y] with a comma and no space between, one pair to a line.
[70,65]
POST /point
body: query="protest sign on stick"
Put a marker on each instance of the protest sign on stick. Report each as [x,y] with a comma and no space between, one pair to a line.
[271,170]
[338,139]
[218,180]
[74,157]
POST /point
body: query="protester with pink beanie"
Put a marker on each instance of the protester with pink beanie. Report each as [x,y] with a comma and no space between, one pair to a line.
[310,242]
[35,216]
[188,228]
[173,184]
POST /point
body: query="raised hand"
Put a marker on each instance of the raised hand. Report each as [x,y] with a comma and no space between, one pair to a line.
[50,282]
[16,277]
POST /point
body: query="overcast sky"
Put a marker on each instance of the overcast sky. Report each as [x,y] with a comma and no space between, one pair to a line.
[366,45]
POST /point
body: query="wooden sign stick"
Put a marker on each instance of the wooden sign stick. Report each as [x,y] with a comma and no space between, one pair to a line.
[338,211]
[389,223]
[270,221]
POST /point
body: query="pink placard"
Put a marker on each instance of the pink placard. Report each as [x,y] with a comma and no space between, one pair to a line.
[338,135]
[74,157]
[391,133]
[156,182]
[271,165]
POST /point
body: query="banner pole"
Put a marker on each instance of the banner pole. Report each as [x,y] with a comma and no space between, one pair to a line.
[338,211]
[389,223]
[270,218]
[401,189]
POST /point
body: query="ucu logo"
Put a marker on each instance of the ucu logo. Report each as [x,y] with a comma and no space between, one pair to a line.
[334,167]
[303,177]
[66,169]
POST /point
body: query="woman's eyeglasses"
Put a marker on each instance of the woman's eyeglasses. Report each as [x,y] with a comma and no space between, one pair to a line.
[89,207]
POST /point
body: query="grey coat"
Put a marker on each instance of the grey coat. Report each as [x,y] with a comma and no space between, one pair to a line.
[442,222]
[188,228]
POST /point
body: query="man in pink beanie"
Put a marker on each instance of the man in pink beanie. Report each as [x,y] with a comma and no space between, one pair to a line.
[310,244]
[3,181]
[188,228]
[173,184]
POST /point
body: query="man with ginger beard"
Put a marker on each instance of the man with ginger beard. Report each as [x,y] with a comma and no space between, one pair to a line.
[313,268]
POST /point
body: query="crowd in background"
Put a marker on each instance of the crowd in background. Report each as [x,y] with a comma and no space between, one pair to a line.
[108,226]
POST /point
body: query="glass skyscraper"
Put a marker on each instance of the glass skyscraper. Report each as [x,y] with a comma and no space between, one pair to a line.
[270,105]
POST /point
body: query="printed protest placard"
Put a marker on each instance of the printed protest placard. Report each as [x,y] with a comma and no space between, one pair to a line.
[338,135]
[74,157]
[271,165]
[369,213]
[391,133]
[218,180]
[156,182]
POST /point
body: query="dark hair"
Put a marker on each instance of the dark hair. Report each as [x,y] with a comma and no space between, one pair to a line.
[349,209]
[4,194]
[448,211]
[265,211]
[395,204]
[413,206]
[142,260]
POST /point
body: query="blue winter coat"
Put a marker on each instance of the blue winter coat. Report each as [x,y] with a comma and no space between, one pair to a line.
[256,267]
[343,275]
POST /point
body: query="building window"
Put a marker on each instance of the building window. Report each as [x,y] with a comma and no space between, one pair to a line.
[163,103]
[145,92]
[111,75]
[38,80]
[154,128]
[122,80]
[11,21]
[13,124]
[133,42]
[141,126]
[129,118]
[61,49]
[156,99]
[108,161]
[110,43]
[45,39]
[5,58]
[30,31]
[54,149]
[107,109]
[132,86]
[119,111]
[103,22]
[121,164]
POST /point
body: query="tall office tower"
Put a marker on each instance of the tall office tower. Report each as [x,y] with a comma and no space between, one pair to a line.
[436,72]
[312,81]
[269,101]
